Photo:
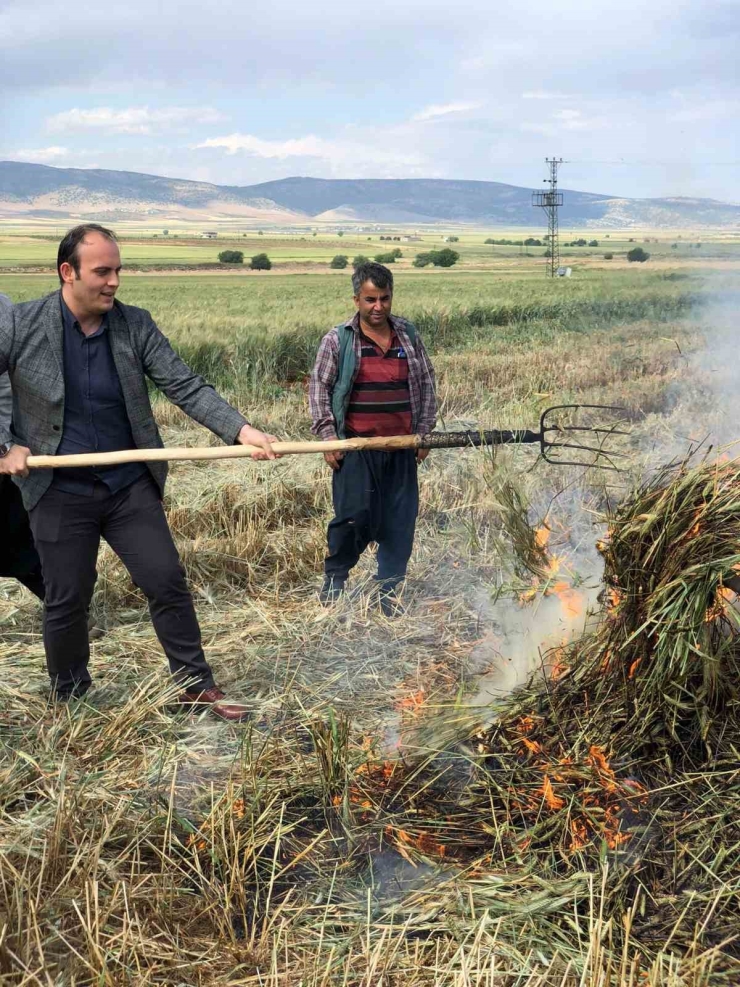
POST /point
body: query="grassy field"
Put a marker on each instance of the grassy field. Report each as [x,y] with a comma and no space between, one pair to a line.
[24,249]
[146,848]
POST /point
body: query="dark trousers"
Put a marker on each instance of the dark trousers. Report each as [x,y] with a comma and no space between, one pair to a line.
[376,498]
[67,529]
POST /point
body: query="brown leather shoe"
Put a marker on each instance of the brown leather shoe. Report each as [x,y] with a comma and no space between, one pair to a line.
[211,699]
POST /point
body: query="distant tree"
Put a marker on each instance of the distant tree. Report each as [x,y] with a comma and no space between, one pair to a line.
[396,237]
[260,232]
[388,258]
[453,239]
[608,256]
[631,239]
[698,246]
[359,260]
[165,232]
[314,233]
[231,257]
[674,246]
[580,243]
[340,233]
[397,252]
[532,242]
[445,257]
[260,262]
[547,253]
[489,240]
[637,255]
[593,243]
[339,262]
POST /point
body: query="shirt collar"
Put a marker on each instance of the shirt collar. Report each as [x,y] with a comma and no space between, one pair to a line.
[70,322]
[354,322]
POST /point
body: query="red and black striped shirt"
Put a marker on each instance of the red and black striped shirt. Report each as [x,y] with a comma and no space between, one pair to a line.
[380,403]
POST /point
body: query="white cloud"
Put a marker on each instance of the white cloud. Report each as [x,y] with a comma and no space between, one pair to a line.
[132,120]
[444,110]
[573,120]
[40,155]
[299,147]
[386,153]
[562,121]
[544,94]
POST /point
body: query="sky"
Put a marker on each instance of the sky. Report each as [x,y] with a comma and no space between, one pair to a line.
[639,97]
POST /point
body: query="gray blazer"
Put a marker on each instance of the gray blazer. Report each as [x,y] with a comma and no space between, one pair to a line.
[31,351]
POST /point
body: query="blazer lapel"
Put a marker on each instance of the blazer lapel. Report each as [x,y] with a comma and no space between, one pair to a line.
[123,357]
[54,327]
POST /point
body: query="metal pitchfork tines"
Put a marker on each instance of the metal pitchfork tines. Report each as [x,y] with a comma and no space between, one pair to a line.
[591,439]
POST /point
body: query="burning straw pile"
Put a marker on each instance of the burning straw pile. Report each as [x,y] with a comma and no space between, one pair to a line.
[603,807]
[629,758]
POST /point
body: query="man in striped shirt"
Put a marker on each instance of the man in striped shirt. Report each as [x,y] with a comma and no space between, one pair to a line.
[372,376]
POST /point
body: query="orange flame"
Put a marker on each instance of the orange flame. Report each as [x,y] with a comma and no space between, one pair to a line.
[552,800]
[578,833]
[424,842]
[412,703]
[542,536]
[598,760]
[573,602]
[554,565]
[559,665]
[532,745]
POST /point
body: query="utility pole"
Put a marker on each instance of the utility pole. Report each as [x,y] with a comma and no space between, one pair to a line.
[551,201]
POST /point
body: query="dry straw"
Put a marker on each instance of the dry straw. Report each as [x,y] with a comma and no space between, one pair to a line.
[590,836]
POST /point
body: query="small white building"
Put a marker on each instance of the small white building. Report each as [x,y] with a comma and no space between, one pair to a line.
[208,235]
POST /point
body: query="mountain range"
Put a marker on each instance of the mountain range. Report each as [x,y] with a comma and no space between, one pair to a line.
[44,192]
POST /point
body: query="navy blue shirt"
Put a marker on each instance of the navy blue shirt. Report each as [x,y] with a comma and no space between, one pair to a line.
[95,416]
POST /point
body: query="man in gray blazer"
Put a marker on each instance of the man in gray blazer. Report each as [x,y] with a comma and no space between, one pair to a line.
[78,361]
[18,556]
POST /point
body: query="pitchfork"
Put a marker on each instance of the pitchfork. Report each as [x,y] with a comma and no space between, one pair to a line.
[550,437]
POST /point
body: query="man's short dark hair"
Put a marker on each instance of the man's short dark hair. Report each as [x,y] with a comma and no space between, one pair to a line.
[380,276]
[68,248]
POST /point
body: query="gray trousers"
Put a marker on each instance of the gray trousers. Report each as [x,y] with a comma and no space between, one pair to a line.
[67,529]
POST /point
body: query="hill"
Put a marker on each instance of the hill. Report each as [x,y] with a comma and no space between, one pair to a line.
[33,190]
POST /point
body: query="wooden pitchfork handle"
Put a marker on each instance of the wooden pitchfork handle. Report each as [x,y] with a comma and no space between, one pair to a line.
[434,440]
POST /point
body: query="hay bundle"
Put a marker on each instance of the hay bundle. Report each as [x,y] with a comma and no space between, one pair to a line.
[671,546]
[630,755]
[665,660]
